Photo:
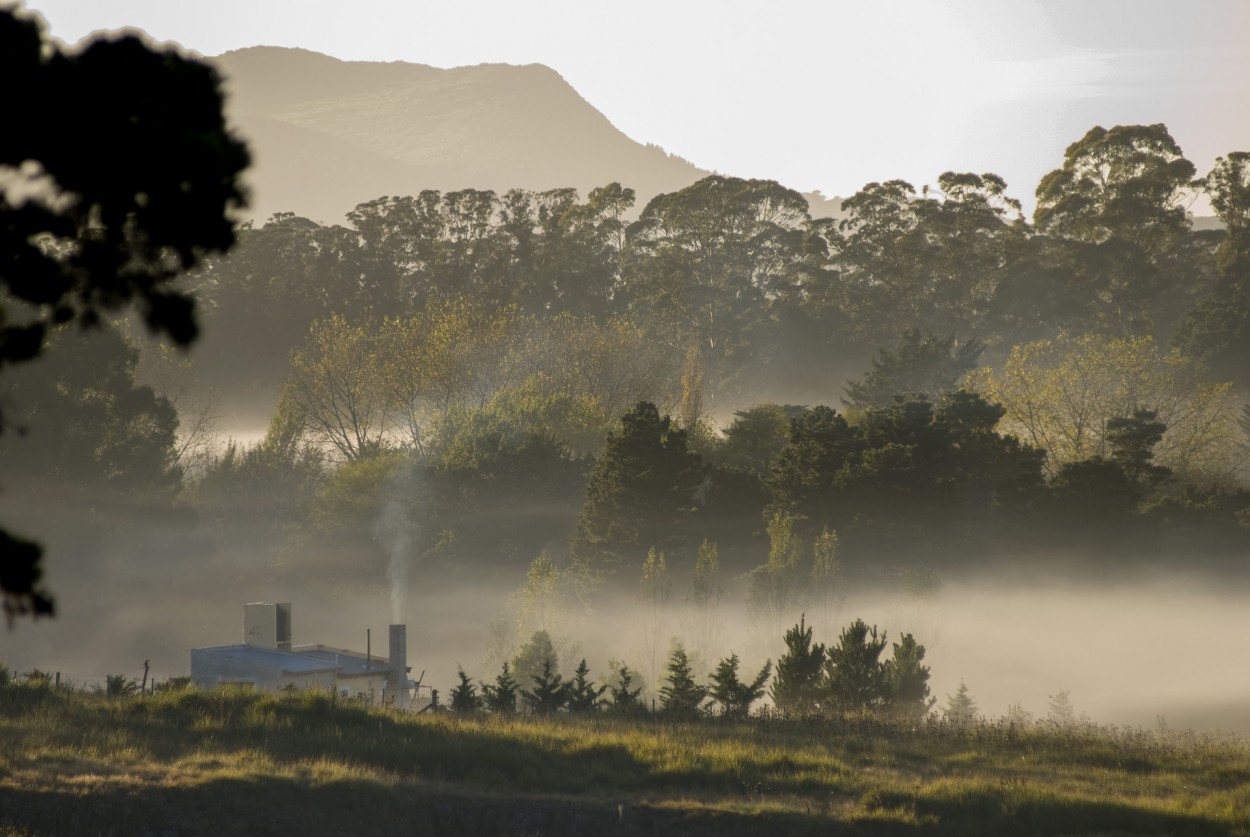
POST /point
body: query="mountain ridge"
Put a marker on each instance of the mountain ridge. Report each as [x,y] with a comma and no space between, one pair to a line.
[328,134]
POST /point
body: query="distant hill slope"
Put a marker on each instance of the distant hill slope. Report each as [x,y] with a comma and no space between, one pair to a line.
[329,134]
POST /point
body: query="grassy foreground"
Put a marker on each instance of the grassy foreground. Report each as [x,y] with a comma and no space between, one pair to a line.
[190,762]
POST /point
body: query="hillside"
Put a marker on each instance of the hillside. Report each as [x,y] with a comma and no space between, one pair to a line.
[329,134]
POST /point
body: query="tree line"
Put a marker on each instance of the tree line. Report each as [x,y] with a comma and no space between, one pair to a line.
[738,272]
[532,371]
[810,679]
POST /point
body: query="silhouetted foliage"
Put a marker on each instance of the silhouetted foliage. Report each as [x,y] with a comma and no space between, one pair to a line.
[133,174]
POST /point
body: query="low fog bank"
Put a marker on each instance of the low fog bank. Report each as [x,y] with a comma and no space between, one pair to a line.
[1169,649]
[1137,653]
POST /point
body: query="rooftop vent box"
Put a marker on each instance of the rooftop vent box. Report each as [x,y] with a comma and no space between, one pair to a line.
[267,625]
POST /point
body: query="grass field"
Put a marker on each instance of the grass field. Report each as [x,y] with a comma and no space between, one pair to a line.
[230,762]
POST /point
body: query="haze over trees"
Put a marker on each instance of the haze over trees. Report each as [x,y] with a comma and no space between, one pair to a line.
[527,371]
[472,326]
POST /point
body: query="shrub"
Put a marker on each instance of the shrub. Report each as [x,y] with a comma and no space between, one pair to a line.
[119,685]
[38,678]
[173,684]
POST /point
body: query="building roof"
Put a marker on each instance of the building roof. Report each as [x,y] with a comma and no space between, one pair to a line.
[290,662]
[348,663]
[304,659]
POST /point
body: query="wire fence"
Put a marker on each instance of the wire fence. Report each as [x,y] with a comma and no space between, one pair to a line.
[145,681]
[151,681]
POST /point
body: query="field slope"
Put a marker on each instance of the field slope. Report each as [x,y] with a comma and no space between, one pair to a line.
[189,763]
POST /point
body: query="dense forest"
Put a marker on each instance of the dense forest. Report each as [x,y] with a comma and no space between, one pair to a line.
[472,380]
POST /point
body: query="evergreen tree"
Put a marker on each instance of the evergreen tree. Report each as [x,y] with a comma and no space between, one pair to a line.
[625,701]
[734,696]
[529,661]
[583,694]
[756,436]
[854,676]
[641,490]
[805,474]
[929,366]
[464,697]
[501,697]
[682,697]
[550,693]
[796,688]
[961,709]
[907,680]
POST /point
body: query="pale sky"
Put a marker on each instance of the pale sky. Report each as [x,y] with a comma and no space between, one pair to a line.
[818,94]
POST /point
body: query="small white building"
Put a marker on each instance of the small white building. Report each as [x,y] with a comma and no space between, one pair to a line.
[267,660]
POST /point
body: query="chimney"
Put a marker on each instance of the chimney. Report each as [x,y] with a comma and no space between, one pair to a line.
[398,662]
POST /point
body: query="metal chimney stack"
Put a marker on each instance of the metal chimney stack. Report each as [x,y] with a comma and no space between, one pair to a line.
[398,661]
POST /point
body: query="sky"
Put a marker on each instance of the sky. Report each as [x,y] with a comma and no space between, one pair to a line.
[819,94]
